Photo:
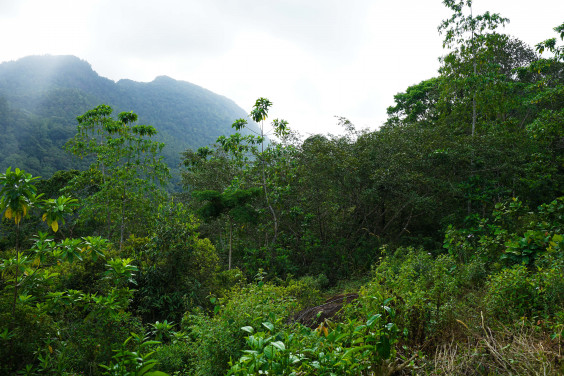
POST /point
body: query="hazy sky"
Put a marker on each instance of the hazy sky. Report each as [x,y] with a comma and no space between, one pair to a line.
[313,59]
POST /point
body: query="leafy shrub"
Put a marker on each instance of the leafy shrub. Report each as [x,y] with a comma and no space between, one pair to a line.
[21,337]
[178,269]
[518,292]
[549,284]
[91,341]
[134,358]
[174,357]
[428,292]
[228,279]
[423,289]
[513,235]
[510,293]
[215,340]
[365,343]
[306,290]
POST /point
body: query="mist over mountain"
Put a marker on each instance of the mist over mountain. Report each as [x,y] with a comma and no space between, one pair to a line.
[41,96]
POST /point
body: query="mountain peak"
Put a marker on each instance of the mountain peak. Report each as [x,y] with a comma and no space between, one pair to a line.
[163,79]
[40,72]
[43,95]
[49,63]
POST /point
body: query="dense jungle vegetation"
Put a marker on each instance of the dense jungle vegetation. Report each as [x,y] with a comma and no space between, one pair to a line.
[444,227]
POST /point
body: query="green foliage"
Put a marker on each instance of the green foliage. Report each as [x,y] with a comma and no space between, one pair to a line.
[54,186]
[18,195]
[162,331]
[121,271]
[233,202]
[19,342]
[92,341]
[416,105]
[519,292]
[513,235]
[550,44]
[423,288]
[218,339]
[470,37]
[127,162]
[174,357]
[457,27]
[56,208]
[134,363]
[178,269]
[366,343]
[325,209]
[245,148]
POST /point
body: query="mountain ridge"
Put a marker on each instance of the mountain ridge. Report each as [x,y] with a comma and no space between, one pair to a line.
[41,96]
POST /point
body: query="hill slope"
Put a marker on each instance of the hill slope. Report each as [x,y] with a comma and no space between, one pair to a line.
[41,96]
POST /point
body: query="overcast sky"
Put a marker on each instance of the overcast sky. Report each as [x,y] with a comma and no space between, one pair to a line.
[313,59]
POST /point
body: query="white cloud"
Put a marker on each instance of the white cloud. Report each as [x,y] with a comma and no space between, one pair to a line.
[313,59]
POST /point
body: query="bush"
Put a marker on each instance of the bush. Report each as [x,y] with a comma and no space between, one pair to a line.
[510,294]
[548,282]
[518,292]
[365,343]
[174,357]
[218,339]
[423,289]
[91,341]
[19,343]
[182,273]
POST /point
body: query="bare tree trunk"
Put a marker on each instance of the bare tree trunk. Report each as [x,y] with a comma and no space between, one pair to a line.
[122,225]
[13,324]
[108,212]
[474,63]
[269,205]
[230,241]
[17,272]
[275,219]
[474,104]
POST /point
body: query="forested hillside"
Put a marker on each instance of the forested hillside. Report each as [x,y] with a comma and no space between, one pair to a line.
[41,96]
[431,246]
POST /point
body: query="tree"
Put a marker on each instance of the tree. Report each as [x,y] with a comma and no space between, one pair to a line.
[468,34]
[417,105]
[241,145]
[18,195]
[547,100]
[550,45]
[209,168]
[127,167]
[210,176]
[233,202]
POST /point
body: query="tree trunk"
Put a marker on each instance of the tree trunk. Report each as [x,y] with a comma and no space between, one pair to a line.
[275,219]
[474,104]
[474,63]
[122,225]
[13,323]
[230,241]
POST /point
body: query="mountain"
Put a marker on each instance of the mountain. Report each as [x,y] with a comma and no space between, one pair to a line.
[41,96]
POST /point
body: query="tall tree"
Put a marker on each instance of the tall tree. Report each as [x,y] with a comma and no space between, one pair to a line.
[127,167]
[234,203]
[466,34]
[417,105]
[18,195]
[255,145]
